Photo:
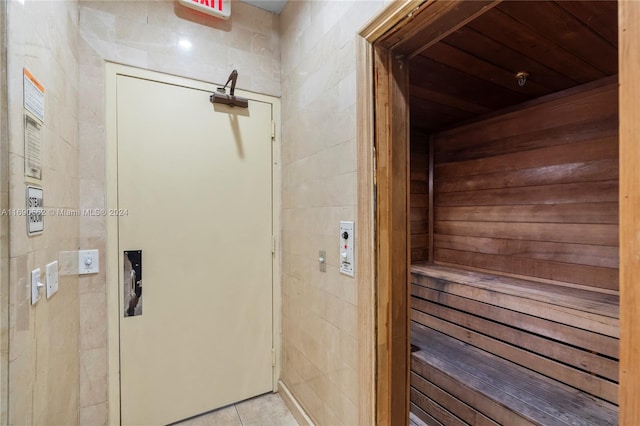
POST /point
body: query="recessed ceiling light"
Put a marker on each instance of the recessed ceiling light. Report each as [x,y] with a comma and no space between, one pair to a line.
[185,44]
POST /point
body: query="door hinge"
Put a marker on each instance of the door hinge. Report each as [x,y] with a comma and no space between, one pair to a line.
[273,244]
[273,357]
[273,130]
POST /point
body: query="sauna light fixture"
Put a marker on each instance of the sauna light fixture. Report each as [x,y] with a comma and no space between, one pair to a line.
[522,78]
[220,95]
[185,44]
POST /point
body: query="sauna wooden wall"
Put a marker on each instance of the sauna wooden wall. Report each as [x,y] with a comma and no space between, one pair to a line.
[533,191]
[419,196]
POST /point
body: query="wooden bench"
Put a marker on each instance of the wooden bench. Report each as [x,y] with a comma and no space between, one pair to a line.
[492,350]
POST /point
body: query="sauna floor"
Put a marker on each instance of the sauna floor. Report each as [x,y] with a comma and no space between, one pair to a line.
[264,410]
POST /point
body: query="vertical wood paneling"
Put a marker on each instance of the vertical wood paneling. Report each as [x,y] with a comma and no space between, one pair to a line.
[533,192]
[431,199]
[419,197]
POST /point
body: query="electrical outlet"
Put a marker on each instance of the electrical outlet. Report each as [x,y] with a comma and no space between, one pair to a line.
[88,262]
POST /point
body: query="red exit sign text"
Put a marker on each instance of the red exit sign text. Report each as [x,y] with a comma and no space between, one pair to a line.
[218,8]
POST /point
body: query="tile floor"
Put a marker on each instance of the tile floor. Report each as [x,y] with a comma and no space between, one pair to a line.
[264,410]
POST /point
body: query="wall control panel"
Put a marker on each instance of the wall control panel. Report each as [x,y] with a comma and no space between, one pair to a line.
[347,239]
[88,262]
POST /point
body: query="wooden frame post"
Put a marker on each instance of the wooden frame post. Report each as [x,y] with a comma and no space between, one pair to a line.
[393,242]
[383,47]
[629,70]
[382,371]
[365,261]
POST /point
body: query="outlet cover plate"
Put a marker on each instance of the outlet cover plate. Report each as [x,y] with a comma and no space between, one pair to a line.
[52,278]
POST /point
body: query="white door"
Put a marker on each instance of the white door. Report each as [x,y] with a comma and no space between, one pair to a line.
[195,195]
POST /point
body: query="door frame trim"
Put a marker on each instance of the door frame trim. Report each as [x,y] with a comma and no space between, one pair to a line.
[377,375]
[112,71]
[382,311]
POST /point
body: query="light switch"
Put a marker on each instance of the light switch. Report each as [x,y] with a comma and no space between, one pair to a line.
[322,260]
[347,239]
[88,262]
[35,286]
[52,278]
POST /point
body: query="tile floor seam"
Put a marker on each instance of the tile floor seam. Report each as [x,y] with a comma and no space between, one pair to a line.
[268,409]
[238,413]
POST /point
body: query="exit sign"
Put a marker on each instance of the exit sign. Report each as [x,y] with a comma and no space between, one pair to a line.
[217,8]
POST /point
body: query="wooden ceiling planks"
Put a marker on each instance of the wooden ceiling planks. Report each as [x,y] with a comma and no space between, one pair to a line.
[597,15]
[463,61]
[505,29]
[512,60]
[473,70]
[429,73]
[563,29]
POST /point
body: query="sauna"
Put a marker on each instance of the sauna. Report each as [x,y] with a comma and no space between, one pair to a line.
[513,218]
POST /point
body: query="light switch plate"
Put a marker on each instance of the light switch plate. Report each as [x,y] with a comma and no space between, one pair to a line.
[322,260]
[347,239]
[35,286]
[88,262]
[52,278]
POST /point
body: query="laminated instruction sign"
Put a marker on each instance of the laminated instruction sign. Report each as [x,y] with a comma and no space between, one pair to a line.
[33,121]
[32,147]
[33,96]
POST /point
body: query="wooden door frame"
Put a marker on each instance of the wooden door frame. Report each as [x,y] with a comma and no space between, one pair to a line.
[383,47]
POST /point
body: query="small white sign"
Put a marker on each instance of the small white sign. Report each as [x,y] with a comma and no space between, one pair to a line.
[35,210]
[32,147]
[33,95]
[218,8]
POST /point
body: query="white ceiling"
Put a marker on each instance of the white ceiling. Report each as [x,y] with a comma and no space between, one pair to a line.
[274,6]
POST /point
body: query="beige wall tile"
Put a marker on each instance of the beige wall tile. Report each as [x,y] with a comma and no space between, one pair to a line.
[93,327]
[319,190]
[93,377]
[95,415]
[44,341]
[4,229]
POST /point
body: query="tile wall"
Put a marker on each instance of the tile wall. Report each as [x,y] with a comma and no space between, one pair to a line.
[66,44]
[4,222]
[319,189]
[146,34]
[44,346]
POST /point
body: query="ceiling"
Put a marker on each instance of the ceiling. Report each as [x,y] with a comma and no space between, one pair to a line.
[473,70]
[273,6]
